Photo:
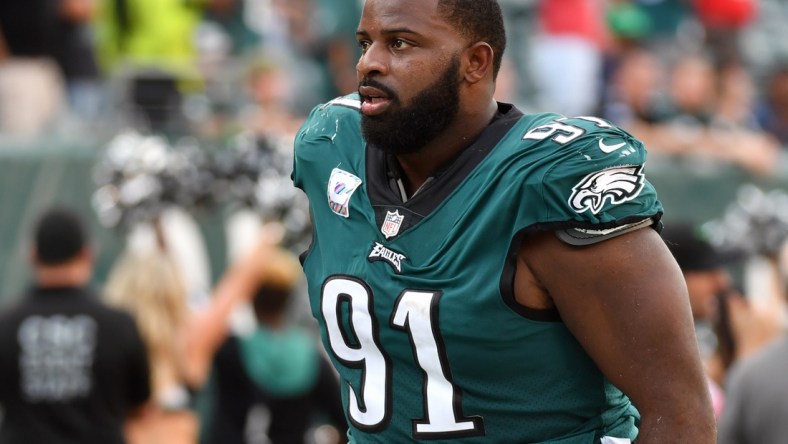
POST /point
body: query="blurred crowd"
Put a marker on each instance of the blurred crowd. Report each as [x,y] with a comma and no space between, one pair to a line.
[171,65]
[137,361]
[160,84]
[700,80]
[691,78]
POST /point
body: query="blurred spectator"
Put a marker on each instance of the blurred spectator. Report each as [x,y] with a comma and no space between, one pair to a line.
[267,114]
[729,326]
[149,46]
[322,36]
[666,18]
[40,32]
[72,369]
[628,23]
[31,85]
[756,223]
[691,95]
[271,124]
[756,390]
[734,128]
[628,27]
[520,22]
[735,106]
[632,95]
[755,410]
[683,122]
[671,116]
[230,16]
[575,29]
[74,53]
[723,21]
[746,324]
[338,19]
[773,111]
[180,342]
[273,385]
[707,277]
[148,33]
[160,311]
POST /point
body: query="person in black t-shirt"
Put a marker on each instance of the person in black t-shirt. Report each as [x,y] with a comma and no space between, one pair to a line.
[72,369]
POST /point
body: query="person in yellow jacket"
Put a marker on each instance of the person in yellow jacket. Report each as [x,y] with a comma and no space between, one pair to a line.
[151,45]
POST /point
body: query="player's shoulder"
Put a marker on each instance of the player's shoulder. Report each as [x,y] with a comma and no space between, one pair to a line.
[588,139]
[587,170]
[571,148]
[336,121]
[326,119]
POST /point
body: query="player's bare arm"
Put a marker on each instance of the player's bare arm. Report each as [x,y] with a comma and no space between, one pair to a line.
[625,301]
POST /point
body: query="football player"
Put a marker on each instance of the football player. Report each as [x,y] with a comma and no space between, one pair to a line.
[481,275]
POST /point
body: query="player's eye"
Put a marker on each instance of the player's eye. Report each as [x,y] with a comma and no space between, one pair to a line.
[364,45]
[399,44]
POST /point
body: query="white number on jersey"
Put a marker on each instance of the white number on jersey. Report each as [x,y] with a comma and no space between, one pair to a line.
[563,133]
[415,313]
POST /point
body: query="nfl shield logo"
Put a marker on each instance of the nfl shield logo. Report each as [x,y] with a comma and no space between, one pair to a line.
[392,223]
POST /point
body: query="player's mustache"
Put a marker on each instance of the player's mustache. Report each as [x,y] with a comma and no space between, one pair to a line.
[377,85]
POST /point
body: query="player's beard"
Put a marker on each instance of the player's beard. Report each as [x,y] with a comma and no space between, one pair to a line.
[408,129]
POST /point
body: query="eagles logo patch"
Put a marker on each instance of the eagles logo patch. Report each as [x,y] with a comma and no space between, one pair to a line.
[613,185]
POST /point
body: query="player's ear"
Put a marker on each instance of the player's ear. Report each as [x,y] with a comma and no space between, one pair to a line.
[479,57]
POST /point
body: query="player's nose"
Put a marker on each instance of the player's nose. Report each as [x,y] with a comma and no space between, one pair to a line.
[373,61]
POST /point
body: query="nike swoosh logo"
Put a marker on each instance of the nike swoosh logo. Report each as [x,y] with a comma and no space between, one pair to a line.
[609,148]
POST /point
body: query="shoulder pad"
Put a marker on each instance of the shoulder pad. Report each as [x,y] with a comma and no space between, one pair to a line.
[593,171]
[582,236]
[331,118]
[329,136]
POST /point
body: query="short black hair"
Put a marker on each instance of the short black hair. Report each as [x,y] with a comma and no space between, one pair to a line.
[693,250]
[59,236]
[270,300]
[481,20]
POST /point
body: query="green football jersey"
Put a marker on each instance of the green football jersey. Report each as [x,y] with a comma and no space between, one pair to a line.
[415,299]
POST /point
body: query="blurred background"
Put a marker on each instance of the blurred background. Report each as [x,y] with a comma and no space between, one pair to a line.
[171,122]
[178,116]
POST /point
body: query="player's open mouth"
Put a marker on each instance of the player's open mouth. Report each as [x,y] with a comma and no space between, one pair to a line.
[373,101]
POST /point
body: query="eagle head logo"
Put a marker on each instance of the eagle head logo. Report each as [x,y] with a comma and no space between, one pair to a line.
[614,185]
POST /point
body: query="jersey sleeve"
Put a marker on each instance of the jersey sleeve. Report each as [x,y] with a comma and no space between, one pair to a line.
[330,124]
[596,185]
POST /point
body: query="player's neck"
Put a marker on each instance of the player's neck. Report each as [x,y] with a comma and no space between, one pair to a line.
[71,275]
[419,167]
[75,272]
